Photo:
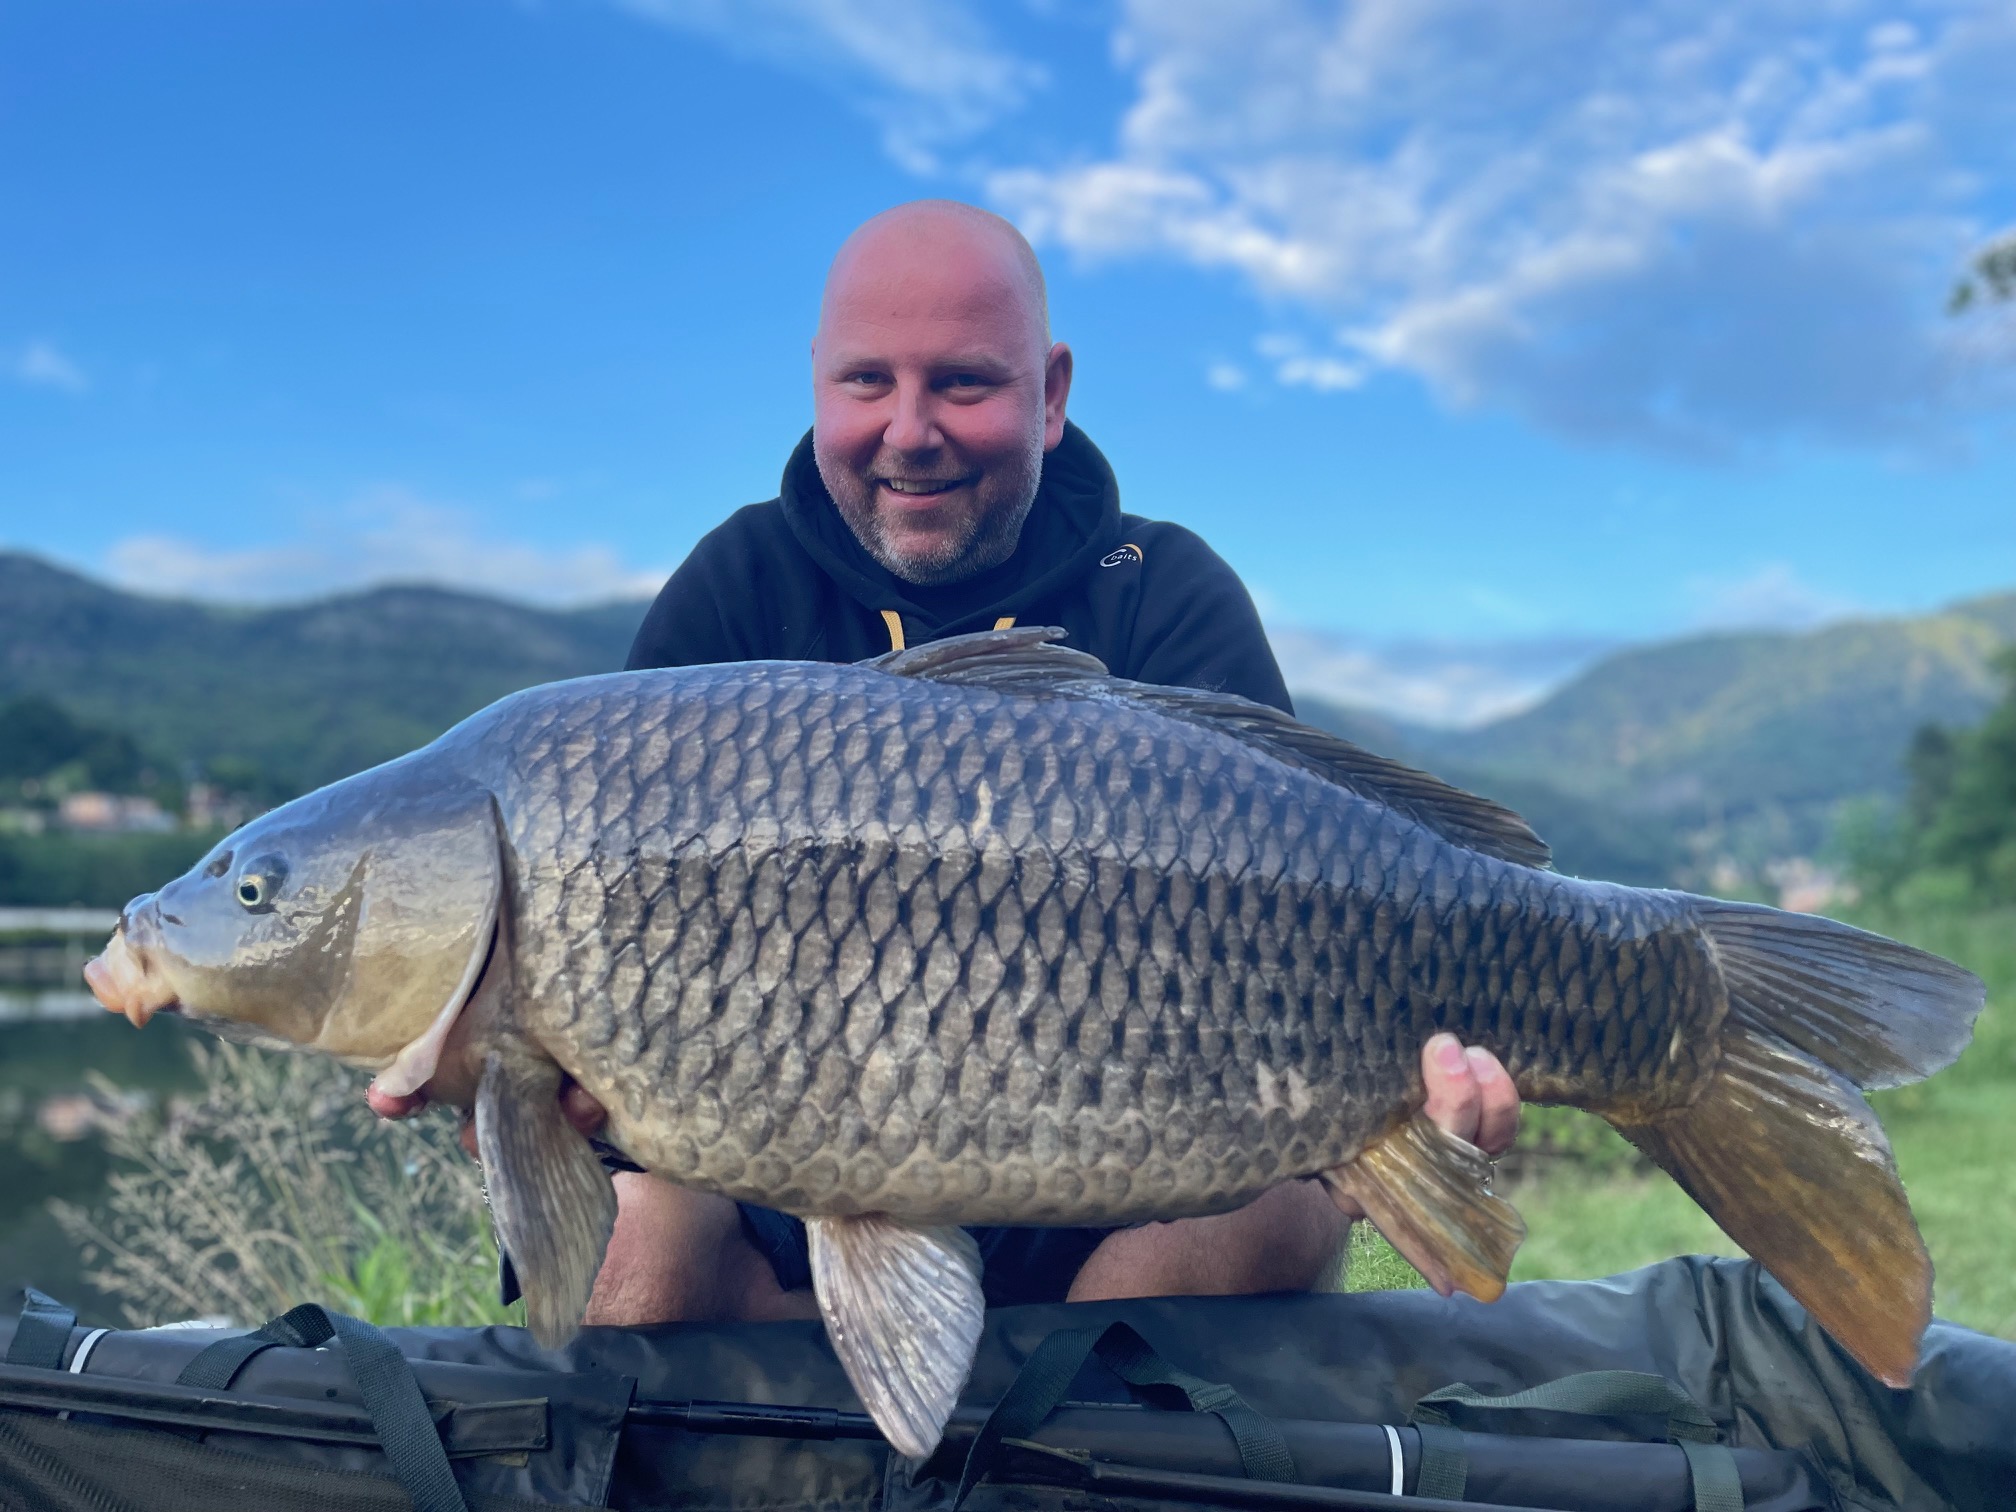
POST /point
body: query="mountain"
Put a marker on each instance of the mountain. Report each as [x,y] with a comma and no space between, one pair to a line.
[1590,837]
[1739,744]
[1758,737]
[1449,683]
[305,693]
[1646,767]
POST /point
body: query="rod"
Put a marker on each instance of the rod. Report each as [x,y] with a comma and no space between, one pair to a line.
[184,1406]
[756,1419]
[1232,1491]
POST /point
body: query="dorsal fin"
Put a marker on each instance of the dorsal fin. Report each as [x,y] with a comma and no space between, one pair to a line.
[1024,660]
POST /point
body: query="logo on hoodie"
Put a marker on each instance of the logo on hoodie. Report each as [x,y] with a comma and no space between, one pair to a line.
[1120,556]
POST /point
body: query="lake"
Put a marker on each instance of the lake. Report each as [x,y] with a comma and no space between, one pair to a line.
[52,1034]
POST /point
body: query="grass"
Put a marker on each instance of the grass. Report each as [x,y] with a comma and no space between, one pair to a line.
[1595,1213]
[275,1186]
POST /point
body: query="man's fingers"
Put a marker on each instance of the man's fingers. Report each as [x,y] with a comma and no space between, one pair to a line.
[1455,1101]
[581,1110]
[387,1105]
[1497,1103]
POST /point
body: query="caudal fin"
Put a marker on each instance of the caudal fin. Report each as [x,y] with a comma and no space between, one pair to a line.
[1780,1148]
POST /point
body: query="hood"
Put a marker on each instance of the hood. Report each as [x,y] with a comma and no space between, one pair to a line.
[1074,522]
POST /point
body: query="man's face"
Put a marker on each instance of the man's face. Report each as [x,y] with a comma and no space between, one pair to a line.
[934,399]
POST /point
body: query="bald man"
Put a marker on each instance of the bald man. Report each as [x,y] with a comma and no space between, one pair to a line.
[941,490]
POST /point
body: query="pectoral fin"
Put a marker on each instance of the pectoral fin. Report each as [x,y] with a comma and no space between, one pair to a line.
[550,1199]
[1429,1193]
[903,1308]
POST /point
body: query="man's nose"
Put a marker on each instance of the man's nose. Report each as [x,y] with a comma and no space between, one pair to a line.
[913,424]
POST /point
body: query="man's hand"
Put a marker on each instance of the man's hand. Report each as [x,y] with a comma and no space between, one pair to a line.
[581,1110]
[1470,1095]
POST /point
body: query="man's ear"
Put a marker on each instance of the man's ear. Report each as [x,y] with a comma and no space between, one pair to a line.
[1056,389]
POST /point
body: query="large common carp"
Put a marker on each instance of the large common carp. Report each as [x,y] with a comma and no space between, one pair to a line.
[976,934]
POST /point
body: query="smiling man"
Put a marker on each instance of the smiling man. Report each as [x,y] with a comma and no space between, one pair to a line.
[940,491]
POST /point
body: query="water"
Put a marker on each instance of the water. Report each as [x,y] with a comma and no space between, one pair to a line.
[51,1035]
[20,1004]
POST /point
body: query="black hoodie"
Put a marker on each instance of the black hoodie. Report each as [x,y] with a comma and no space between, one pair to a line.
[787,580]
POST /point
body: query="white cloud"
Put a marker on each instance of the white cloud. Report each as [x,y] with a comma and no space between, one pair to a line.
[41,364]
[385,535]
[1452,684]
[1327,375]
[1693,227]
[1774,597]
[1295,366]
[927,71]
[1226,377]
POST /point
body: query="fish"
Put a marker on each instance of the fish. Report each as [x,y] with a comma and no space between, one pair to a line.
[976,933]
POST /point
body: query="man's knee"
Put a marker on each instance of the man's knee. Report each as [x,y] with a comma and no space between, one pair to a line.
[678,1256]
[1288,1239]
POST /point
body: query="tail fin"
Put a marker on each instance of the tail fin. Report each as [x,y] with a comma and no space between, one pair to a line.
[1780,1148]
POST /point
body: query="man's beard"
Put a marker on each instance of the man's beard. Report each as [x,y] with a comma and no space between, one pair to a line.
[985,536]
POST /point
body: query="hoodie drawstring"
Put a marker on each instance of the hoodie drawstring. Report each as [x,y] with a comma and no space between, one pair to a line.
[895,623]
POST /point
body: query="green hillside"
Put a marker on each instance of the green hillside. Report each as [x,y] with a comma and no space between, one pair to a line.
[1737,745]
[1590,837]
[1755,738]
[304,693]
[1646,767]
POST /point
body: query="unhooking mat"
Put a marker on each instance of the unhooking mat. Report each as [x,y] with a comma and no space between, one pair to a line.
[1262,1402]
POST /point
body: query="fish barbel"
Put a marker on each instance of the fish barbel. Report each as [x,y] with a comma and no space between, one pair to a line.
[977,934]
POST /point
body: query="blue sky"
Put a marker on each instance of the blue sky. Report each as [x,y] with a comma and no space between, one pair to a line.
[1448,322]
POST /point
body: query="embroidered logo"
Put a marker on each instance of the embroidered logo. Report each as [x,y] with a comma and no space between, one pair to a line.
[1120,556]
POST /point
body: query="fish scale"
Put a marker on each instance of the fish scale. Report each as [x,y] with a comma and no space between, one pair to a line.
[1045,960]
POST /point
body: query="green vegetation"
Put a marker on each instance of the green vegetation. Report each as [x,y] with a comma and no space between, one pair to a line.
[277,1186]
[1954,837]
[1590,837]
[64,869]
[1747,745]
[1371,1264]
[43,750]
[291,697]
[1991,279]
[1661,760]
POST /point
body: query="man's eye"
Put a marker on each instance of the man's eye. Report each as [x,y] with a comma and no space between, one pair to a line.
[966,382]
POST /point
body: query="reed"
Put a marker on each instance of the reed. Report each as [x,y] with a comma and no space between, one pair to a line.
[275,1185]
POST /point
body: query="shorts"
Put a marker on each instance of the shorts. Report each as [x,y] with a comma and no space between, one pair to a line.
[1018,1265]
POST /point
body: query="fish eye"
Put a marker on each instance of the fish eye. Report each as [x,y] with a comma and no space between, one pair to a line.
[218,867]
[260,882]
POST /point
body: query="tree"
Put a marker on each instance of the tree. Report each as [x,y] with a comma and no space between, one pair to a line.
[1973,826]
[1990,278]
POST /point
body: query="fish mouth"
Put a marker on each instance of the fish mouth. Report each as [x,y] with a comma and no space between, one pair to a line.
[121,976]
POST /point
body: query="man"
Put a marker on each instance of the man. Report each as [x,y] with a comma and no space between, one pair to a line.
[941,491]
